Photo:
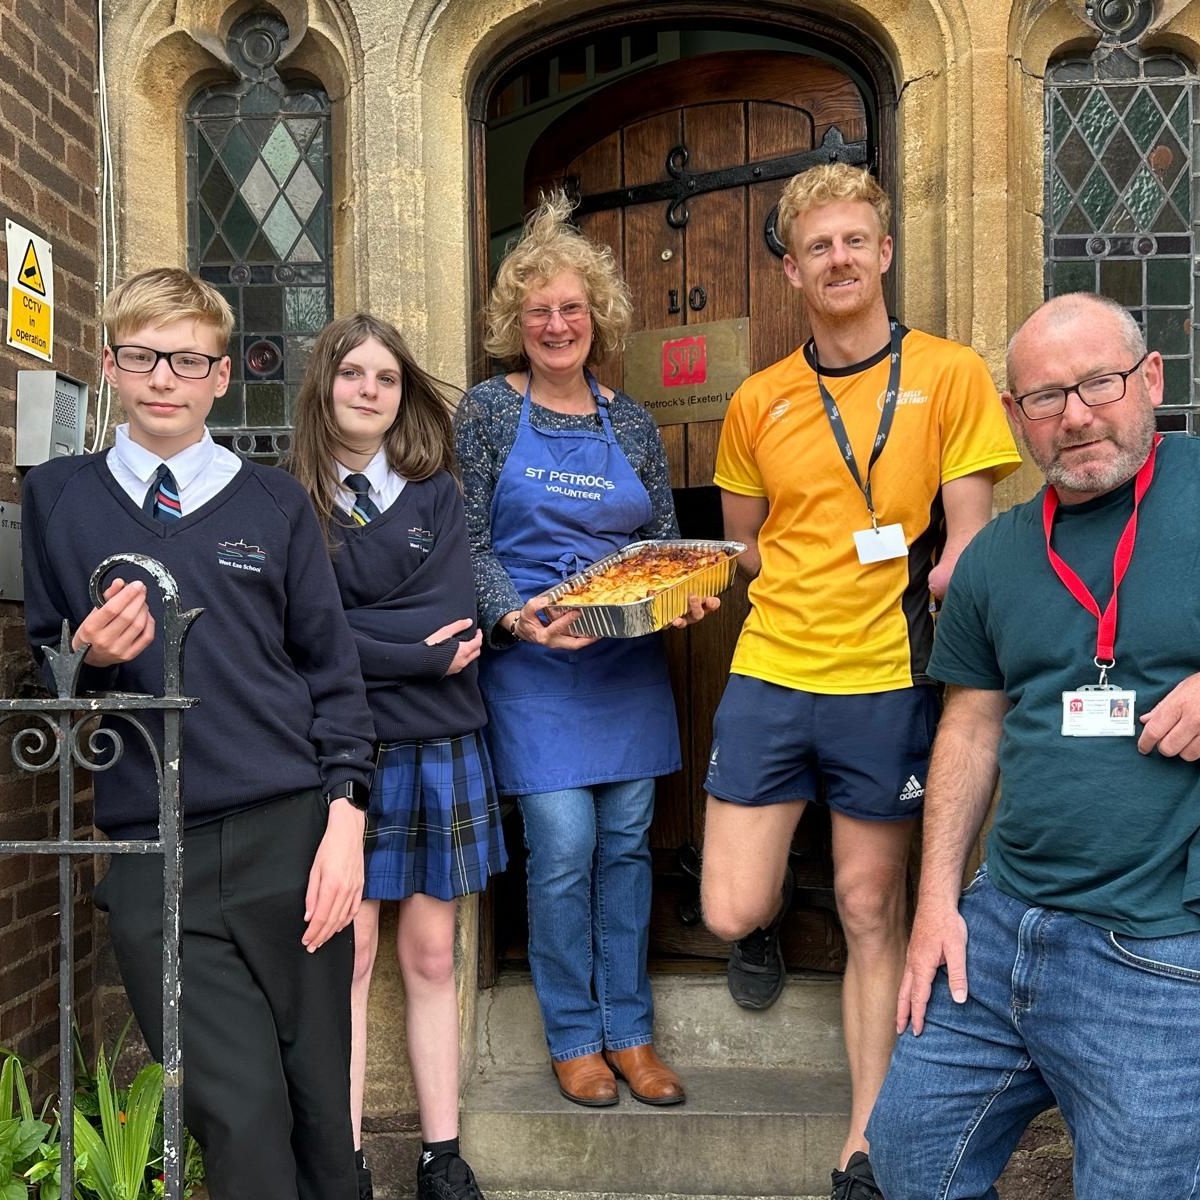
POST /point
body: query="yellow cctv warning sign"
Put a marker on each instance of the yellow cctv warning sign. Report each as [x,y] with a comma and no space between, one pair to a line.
[31,271]
[30,292]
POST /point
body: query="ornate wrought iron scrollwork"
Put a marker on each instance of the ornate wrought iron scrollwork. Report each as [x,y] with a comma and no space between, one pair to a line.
[65,735]
[175,624]
[31,742]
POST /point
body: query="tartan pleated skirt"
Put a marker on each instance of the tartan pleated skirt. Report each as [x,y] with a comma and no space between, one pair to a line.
[433,825]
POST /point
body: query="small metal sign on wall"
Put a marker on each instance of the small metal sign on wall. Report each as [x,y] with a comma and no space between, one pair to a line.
[688,373]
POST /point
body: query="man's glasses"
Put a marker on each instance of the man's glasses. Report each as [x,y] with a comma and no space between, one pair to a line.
[572,311]
[187,364]
[1099,389]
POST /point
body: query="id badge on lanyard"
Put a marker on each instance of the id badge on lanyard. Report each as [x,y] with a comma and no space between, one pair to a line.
[1100,709]
[879,543]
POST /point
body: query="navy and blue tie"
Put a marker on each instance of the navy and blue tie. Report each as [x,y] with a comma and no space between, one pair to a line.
[364,509]
[162,497]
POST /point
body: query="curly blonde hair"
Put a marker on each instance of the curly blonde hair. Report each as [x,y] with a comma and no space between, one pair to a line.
[547,247]
[828,184]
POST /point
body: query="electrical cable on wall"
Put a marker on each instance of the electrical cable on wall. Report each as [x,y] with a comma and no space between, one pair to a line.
[108,224]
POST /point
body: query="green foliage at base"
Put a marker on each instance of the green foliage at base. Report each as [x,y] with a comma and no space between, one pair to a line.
[118,1134]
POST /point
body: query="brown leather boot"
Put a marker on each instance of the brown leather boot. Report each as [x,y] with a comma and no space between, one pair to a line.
[586,1080]
[650,1079]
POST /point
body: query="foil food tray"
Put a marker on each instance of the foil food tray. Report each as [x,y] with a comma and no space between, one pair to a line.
[656,612]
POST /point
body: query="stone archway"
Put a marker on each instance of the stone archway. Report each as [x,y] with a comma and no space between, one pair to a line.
[449,48]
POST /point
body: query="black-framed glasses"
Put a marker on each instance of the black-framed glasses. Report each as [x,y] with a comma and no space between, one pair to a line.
[1093,391]
[572,311]
[187,364]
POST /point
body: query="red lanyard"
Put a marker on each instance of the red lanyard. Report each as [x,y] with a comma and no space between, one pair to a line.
[1106,633]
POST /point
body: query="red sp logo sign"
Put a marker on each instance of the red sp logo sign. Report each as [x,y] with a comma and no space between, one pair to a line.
[684,361]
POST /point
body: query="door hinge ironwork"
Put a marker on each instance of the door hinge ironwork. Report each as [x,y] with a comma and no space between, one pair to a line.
[683,185]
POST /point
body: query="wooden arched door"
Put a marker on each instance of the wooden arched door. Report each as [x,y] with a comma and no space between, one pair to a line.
[678,169]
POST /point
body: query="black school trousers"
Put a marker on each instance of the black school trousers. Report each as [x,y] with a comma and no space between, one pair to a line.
[265,1026]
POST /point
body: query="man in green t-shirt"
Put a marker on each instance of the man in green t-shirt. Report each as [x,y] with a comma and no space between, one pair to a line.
[1068,972]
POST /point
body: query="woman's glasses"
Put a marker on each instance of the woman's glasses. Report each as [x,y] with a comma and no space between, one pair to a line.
[572,311]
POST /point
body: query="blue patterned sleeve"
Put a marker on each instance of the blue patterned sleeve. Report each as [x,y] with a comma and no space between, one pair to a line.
[482,440]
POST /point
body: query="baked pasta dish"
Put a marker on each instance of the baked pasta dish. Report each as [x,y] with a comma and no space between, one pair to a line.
[651,570]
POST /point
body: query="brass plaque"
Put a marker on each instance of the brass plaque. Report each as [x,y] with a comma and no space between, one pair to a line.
[688,372]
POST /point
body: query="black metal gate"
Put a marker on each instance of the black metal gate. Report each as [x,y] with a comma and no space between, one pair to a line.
[63,732]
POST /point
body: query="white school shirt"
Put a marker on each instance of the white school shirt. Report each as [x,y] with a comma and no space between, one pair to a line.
[386,485]
[200,471]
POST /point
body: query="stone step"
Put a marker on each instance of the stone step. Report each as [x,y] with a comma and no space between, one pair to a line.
[743,1131]
[494,1195]
[697,1024]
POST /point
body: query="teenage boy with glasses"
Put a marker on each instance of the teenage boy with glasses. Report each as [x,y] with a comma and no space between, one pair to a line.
[277,756]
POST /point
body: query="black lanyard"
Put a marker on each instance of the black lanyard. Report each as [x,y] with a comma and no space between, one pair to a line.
[885,419]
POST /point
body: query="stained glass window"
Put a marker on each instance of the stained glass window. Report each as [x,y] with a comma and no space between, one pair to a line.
[259,229]
[1121,198]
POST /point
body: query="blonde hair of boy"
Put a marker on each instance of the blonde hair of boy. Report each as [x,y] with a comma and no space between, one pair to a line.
[162,296]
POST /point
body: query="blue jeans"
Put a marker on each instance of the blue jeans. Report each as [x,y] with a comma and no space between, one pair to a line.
[1104,1025]
[589,914]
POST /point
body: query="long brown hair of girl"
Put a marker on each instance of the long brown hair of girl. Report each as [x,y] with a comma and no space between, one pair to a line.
[420,441]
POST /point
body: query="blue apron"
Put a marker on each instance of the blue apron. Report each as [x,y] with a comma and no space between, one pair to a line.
[572,718]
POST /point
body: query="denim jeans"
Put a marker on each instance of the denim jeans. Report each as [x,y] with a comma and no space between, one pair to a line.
[1104,1025]
[589,914]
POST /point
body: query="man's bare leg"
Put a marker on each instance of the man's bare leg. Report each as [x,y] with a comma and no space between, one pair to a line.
[745,857]
[870,866]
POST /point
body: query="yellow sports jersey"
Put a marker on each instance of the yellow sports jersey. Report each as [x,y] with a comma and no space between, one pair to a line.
[820,621]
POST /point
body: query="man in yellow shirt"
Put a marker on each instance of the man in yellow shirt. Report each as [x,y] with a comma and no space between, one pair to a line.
[855,470]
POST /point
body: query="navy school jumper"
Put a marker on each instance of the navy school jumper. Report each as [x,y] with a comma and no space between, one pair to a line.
[282,707]
[402,576]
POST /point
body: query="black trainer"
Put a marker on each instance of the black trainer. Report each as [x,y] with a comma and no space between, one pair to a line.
[364,1177]
[755,972]
[446,1177]
[857,1181]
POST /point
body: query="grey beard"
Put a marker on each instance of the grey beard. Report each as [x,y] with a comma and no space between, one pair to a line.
[1132,452]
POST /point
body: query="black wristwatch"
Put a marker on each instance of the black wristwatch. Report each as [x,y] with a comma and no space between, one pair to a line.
[357,793]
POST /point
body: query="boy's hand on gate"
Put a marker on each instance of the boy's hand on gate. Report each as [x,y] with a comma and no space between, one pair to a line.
[120,629]
[335,882]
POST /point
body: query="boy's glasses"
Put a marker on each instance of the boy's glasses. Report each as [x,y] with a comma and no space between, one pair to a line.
[187,364]
[572,311]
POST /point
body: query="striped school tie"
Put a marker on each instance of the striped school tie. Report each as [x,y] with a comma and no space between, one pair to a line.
[364,509]
[162,497]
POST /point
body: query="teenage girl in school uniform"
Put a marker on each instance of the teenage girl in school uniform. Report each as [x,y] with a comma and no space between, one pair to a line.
[374,448]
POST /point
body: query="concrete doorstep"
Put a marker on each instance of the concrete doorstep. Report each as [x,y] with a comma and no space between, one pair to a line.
[494,1195]
[768,1098]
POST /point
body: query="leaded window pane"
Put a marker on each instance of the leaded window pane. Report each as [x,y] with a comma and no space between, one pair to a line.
[259,200]
[1123,200]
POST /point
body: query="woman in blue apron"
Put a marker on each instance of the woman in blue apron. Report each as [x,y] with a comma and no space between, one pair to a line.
[558,472]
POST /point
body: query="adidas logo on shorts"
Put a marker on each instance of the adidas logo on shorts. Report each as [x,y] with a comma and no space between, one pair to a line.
[912,790]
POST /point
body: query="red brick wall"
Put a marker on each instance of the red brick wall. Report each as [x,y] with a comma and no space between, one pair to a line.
[49,145]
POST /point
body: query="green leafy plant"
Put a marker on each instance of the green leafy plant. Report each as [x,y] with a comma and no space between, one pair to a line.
[116,1156]
[22,1135]
[118,1134]
[46,1172]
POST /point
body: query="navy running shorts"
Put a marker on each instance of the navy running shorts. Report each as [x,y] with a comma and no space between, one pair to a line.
[863,755]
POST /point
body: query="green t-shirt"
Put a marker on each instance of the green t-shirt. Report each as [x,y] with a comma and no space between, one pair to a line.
[1088,825]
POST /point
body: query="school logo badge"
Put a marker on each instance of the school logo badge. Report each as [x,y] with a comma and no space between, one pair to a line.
[421,539]
[241,557]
